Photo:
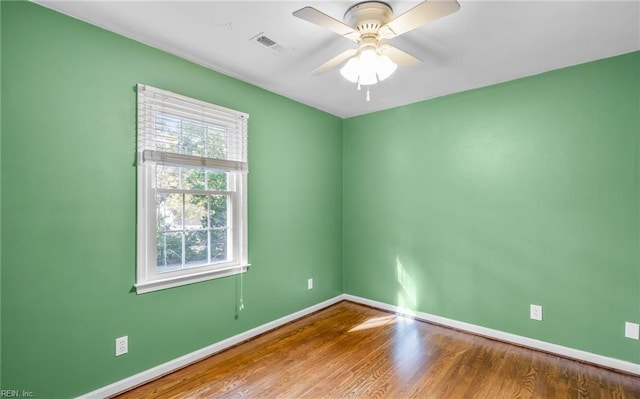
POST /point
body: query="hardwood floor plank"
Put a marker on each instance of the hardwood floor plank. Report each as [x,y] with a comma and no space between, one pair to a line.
[353,351]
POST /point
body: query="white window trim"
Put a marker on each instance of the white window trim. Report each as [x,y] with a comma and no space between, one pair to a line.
[147,278]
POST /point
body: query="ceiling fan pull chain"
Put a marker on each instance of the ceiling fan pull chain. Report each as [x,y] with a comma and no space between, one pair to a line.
[358,86]
[368,95]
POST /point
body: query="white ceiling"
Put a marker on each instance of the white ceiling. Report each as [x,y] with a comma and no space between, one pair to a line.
[484,43]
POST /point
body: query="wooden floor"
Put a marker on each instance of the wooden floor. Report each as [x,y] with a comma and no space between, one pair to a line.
[352,351]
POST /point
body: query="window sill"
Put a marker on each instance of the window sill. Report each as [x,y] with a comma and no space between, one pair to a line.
[161,284]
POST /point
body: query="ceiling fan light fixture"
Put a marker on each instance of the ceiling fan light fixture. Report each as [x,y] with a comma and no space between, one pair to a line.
[367,78]
[368,68]
[386,67]
[351,70]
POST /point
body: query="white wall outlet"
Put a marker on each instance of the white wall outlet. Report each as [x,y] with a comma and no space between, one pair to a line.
[632,330]
[122,345]
[535,312]
[310,284]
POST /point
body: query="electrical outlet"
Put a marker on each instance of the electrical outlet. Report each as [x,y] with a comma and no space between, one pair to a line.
[632,330]
[122,345]
[535,312]
[310,284]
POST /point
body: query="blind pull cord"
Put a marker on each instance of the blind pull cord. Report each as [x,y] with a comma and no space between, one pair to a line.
[241,305]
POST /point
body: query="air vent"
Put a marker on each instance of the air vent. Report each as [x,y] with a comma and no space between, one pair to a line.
[269,43]
[265,41]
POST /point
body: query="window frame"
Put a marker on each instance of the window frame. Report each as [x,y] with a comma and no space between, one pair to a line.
[148,279]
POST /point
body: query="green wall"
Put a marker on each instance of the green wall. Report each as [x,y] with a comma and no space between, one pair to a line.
[475,205]
[69,203]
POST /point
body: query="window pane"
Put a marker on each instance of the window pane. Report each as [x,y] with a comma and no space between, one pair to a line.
[218,211]
[167,176]
[169,215]
[195,217]
[193,179]
[219,246]
[216,142]
[216,180]
[167,133]
[195,253]
[192,138]
[169,251]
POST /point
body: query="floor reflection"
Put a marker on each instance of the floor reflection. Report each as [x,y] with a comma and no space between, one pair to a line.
[408,348]
[375,322]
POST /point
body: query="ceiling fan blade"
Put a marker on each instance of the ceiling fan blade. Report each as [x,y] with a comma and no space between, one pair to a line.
[398,56]
[319,18]
[335,61]
[423,13]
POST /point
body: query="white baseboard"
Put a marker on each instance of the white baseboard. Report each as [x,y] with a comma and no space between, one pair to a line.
[175,364]
[563,351]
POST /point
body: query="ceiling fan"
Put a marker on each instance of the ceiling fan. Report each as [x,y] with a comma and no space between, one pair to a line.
[369,24]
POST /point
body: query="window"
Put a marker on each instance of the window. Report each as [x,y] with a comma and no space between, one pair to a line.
[192,190]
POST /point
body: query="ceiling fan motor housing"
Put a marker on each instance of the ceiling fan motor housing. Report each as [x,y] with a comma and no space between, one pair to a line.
[367,17]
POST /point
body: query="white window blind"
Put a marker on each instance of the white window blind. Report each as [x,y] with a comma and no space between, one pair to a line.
[177,130]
